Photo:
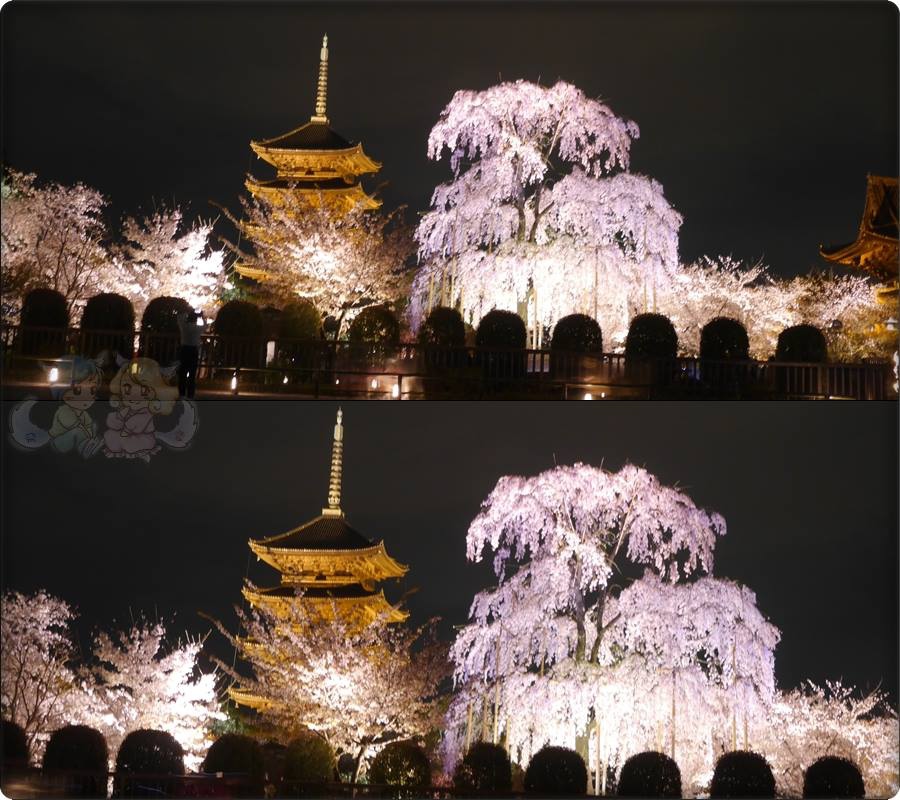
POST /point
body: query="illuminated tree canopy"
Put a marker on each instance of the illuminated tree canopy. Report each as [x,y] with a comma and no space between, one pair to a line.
[566,649]
[340,261]
[129,680]
[360,688]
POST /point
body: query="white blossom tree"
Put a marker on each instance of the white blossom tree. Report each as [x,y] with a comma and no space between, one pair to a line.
[165,258]
[534,215]
[537,660]
[53,236]
[359,687]
[833,720]
[129,680]
[340,261]
[38,679]
[139,681]
[765,305]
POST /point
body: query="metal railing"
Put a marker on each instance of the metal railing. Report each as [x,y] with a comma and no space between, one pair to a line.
[253,365]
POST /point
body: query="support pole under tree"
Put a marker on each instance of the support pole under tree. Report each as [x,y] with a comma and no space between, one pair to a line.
[468,727]
[733,701]
[672,753]
[600,782]
[496,686]
[485,706]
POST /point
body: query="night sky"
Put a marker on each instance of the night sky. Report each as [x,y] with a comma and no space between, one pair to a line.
[809,492]
[761,121]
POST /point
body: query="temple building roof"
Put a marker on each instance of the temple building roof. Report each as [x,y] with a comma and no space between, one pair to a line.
[327,550]
[875,248]
[309,136]
[314,149]
[321,533]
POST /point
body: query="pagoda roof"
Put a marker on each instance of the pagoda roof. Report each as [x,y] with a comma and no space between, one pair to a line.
[346,592]
[876,245]
[325,532]
[312,135]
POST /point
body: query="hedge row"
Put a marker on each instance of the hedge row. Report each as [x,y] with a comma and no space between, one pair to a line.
[649,335]
[485,768]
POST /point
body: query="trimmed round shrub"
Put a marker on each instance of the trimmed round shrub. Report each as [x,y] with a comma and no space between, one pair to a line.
[742,774]
[401,764]
[108,312]
[235,753]
[150,752]
[832,776]
[444,327]
[238,318]
[443,341]
[574,336]
[373,335]
[724,339]
[107,323]
[161,314]
[375,325]
[14,744]
[650,775]
[76,747]
[273,754]
[577,333]
[309,758]
[485,769]
[271,317]
[803,343]
[79,748]
[299,320]
[651,336]
[45,308]
[159,328]
[556,770]
[298,342]
[239,330]
[501,329]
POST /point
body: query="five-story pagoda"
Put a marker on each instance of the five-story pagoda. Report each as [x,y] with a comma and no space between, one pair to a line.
[313,165]
[325,564]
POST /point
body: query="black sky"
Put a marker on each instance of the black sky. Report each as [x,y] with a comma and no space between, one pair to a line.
[760,120]
[809,492]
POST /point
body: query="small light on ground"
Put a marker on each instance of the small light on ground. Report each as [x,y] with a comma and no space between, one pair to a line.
[588,396]
[374,383]
[337,381]
[233,382]
[395,390]
[285,379]
[602,395]
[54,375]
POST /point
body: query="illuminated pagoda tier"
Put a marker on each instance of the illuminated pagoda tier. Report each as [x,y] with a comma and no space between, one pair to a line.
[313,164]
[325,564]
[875,249]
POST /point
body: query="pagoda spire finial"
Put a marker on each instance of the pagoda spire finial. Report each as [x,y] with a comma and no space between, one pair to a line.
[322,88]
[337,463]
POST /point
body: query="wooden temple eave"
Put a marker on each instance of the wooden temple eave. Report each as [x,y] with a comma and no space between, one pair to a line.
[366,609]
[347,198]
[305,162]
[248,699]
[371,563]
[254,273]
